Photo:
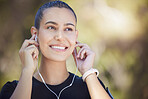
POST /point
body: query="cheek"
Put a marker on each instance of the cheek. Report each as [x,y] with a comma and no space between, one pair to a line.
[43,40]
[44,36]
[72,39]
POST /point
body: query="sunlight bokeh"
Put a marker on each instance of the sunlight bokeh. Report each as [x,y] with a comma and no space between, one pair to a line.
[116,30]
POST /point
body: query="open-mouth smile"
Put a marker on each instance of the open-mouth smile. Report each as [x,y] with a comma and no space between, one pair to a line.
[58,47]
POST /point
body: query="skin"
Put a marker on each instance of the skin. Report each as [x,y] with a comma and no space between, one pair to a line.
[57,28]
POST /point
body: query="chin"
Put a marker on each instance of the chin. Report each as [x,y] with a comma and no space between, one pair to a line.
[56,55]
[57,58]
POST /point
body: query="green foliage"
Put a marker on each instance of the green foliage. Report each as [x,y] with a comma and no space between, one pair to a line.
[116,31]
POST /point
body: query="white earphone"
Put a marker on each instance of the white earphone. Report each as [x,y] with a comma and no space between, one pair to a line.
[36,38]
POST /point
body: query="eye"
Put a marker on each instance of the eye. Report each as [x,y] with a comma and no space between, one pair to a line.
[68,29]
[51,28]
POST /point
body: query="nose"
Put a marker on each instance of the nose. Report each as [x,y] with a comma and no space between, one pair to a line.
[59,35]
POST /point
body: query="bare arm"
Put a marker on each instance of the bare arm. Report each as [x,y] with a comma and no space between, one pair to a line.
[95,88]
[24,87]
[85,59]
[28,55]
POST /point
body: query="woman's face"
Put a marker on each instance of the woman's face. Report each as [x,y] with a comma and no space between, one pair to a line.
[57,33]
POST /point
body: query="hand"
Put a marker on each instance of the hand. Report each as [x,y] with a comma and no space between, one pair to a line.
[85,57]
[29,54]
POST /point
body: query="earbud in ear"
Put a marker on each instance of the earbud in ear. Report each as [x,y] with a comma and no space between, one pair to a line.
[36,38]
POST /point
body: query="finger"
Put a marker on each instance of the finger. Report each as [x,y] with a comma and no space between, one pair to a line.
[81,45]
[78,55]
[33,37]
[82,48]
[29,42]
[32,49]
[36,53]
[84,53]
[33,42]
[77,42]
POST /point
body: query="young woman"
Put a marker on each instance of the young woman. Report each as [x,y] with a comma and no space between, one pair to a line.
[55,35]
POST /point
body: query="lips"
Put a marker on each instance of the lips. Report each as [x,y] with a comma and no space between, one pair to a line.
[58,47]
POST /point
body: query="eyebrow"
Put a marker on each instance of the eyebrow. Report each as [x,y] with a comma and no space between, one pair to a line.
[69,24]
[52,22]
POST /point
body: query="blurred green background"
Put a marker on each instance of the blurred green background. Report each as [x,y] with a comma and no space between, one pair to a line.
[117,30]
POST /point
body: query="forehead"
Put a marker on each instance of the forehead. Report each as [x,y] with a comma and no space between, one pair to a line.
[59,15]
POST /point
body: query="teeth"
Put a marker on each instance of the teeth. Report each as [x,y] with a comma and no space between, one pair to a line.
[58,47]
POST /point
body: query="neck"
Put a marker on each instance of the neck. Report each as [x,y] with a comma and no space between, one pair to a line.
[53,72]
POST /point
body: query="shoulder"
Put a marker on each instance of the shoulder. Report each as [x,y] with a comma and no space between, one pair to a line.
[9,85]
[8,89]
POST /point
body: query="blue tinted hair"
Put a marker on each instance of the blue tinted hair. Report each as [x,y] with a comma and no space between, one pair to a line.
[59,4]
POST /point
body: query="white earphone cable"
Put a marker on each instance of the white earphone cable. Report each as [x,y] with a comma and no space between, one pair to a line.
[58,96]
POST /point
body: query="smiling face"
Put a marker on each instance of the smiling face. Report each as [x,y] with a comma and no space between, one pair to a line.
[57,33]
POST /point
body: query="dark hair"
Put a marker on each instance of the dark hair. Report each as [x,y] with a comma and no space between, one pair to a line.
[59,4]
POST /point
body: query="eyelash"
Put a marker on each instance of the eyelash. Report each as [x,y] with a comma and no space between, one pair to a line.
[69,29]
[51,27]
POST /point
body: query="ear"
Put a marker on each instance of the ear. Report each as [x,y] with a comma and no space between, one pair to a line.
[33,30]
